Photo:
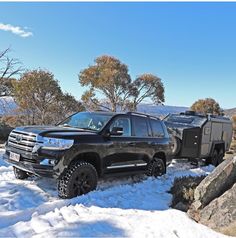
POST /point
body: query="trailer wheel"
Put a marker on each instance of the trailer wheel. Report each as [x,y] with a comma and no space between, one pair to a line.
[214,158]
[221,156]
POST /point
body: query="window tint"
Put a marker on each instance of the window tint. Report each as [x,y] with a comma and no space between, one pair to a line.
[140,127]
[157,129]
[124,123]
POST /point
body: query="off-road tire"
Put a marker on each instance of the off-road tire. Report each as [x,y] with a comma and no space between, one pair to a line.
[78,179]
[156,167]
[176,145]
[221,155]
[20,174]
[214,158]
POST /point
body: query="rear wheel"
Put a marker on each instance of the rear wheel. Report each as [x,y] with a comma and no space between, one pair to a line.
[20,174]
[156,167]
[79,179]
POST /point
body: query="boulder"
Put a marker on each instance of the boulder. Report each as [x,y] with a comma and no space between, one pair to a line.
[215,199]
[220,214]
[220,180]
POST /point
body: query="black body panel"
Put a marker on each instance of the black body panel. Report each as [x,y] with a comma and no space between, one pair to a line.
[191,141]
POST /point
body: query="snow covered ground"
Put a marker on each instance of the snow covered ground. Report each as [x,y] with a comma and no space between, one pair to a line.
[127,207]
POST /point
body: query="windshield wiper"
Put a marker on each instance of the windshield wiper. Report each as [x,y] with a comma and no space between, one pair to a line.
[87,128]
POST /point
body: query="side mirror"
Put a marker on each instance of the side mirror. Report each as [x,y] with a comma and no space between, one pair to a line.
[117,131]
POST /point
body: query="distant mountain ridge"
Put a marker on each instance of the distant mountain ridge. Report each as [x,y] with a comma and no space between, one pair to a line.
[8,106]
[230,112]
[160,110]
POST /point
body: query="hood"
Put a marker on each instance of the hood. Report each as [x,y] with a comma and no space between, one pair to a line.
[55,131]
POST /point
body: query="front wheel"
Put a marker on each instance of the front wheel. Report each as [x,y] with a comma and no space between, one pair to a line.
[79,179]
[20,174]
[156,167]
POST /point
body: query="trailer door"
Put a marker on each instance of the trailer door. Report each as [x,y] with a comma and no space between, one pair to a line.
[191,143]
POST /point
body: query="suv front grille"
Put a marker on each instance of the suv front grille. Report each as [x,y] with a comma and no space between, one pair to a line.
[22,140]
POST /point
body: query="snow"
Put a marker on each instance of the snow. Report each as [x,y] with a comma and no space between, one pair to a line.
[123,207]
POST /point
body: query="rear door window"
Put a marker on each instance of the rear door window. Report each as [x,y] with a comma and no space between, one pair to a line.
[140,127]
[157,129]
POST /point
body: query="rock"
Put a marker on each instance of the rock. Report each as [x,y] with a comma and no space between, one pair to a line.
[181,206]
[220,214]
[215,184]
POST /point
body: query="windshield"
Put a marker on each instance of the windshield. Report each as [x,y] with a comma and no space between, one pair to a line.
[87,120]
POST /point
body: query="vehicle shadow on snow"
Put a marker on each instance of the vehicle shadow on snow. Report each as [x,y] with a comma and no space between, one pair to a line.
[16,197]
[101,228]
[139,192]
[136,192]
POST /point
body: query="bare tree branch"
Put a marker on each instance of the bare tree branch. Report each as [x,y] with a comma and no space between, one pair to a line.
[8,66]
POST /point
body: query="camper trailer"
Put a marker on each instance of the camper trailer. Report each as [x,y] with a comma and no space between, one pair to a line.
[197,136]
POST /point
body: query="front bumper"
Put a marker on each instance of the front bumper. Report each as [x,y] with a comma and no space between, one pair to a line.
[37,169]
[31,162]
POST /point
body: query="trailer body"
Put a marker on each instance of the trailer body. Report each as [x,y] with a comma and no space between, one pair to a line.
[199,136]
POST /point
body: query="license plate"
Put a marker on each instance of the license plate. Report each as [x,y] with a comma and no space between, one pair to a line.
[14,157]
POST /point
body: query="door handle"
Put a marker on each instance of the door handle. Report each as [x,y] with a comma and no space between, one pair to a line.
[153,143]
[131,144]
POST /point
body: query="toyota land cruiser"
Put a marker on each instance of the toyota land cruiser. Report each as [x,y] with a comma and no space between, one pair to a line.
[89,145]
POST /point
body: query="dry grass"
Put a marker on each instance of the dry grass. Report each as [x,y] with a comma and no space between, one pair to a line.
[183,190]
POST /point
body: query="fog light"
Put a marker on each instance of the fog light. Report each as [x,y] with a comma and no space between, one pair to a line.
[51,162]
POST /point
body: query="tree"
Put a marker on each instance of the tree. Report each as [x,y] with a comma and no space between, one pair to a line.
[41,99]
[207,105]
[67,105]
[6,86]
[234,126]
[8,66]
[147,86]
[108,77]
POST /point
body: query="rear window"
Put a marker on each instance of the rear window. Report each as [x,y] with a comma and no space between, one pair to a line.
[140,127]
[157,129]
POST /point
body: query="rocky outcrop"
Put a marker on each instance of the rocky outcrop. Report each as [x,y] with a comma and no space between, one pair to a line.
[221,212]
[215,198]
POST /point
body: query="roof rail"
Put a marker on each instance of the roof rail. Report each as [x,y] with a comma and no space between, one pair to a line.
[141,114]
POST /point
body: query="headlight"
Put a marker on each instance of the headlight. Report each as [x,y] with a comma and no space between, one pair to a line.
[57,144]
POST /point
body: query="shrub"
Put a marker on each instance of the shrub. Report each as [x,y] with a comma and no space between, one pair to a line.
[183,189]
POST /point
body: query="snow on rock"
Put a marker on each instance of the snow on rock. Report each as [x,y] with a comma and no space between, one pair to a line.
[125,207]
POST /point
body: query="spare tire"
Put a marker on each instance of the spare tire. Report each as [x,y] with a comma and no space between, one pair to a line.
[176,145]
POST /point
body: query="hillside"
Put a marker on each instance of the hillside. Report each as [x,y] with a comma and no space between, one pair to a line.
[230,112]
[160,110]
[7,105]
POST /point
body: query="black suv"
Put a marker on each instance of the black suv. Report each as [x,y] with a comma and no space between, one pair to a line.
[88,145]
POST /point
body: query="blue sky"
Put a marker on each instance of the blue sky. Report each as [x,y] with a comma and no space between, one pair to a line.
[190,46]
